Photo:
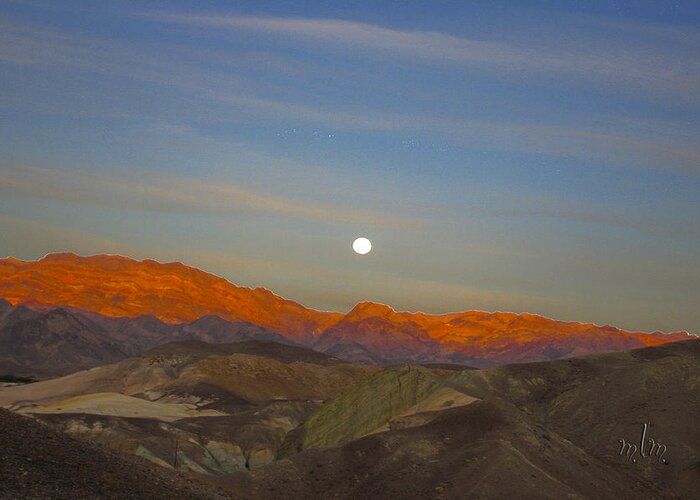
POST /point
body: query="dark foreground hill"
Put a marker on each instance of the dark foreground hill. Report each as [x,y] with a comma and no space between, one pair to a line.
[487,449]
[38,462]
[595,401]
[539,430]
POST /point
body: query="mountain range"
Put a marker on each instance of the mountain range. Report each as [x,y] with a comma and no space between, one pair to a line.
[66,312]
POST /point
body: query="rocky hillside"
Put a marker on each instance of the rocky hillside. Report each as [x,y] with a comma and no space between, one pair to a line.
[486,449]
[537,430]
[38,462]
[594,401]
[266,420]
[384,400]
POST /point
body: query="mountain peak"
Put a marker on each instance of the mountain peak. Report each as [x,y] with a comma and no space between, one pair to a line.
[366,309]
[60,256]
[11,260]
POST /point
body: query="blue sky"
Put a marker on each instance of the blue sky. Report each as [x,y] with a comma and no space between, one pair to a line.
[522,156]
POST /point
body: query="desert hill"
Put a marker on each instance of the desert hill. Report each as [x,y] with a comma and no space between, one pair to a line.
[284,352]
[216,408]
[486,449]
[537,430]
[38,462]
[265,420]
[596,400]
[51,343]
[376,333]
[375,404]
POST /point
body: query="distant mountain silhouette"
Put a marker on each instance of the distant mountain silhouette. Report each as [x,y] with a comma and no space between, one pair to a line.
[63,340]
[133,305]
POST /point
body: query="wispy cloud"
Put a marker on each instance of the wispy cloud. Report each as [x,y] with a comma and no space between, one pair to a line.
[172,193]
[609,143]
[231,95]
[592,215]
[656,72]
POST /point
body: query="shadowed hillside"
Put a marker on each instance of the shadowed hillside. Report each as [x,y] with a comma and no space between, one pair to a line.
[594,401]
[38,462]
[540,430]
[486,449]
[267,420]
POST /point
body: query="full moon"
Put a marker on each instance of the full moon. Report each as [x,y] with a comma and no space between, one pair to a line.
[362,246]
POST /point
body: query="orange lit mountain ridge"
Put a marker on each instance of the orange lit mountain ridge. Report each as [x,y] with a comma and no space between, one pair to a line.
[175,293]
[119,286]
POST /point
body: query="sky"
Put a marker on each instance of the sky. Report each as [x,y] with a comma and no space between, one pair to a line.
[517,156]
